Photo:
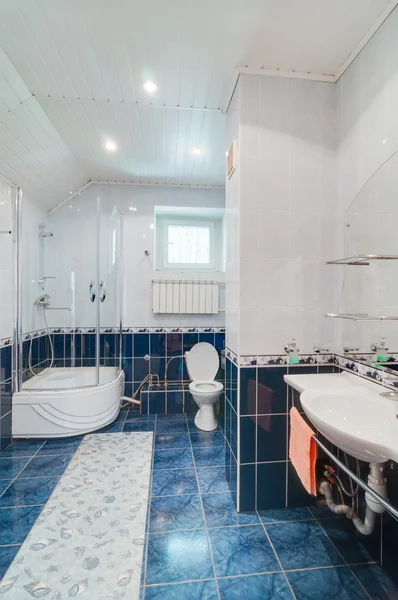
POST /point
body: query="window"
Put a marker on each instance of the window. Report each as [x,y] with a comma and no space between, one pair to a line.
[189,242]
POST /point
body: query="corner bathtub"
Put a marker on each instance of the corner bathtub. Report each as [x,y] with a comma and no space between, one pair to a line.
[64,402]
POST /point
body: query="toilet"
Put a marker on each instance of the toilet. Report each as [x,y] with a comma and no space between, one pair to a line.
[202,365]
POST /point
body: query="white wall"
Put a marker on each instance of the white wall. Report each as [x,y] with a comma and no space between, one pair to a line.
[5,261]
[289,215]
[74,246]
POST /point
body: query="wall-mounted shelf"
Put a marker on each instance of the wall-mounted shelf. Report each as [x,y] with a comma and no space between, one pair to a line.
[362,260]
[359,317]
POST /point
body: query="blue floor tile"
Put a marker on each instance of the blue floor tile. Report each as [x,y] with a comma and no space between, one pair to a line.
[10,467]
[176,512]
[344,536]
[376,582]
[21,492]
[7,555]
[66,446]
[302,545]
[178,556]
[173,459]
[132,416]
[220,510]
[172,440]
[198,590]
[207,438]
[15,523]
[212,480]
[172,417]
[209,456]
[121,417]
[169,482]
[4,483]
[25,448]
[266,587]
[46,466]
[112,428]
[139,426]
[242,551]
[171,426]
[279,515]
[326,583]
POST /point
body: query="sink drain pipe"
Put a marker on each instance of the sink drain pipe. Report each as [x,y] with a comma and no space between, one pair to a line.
[377,482]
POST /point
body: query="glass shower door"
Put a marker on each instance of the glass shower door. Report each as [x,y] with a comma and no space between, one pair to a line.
[110,288]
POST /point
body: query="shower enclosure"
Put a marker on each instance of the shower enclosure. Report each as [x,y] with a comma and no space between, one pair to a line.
[67,374]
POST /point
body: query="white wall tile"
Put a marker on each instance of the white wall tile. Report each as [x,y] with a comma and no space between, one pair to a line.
[304,234]
[273,233]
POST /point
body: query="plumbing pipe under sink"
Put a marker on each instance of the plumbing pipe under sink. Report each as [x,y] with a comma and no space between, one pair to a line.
[378,483]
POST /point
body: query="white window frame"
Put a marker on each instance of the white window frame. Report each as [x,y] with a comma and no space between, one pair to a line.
[215,226]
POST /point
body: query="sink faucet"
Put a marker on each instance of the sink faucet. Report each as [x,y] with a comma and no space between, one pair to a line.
[380,350]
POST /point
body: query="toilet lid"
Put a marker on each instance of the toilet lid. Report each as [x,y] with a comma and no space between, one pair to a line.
[202,362]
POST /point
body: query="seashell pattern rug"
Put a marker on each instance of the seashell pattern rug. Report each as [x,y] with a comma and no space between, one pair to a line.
[88,541]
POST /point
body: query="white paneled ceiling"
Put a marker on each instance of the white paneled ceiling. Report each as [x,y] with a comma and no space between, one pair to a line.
[72,72]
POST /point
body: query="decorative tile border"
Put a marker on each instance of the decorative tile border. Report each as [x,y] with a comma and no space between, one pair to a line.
[5,342]
[275,360]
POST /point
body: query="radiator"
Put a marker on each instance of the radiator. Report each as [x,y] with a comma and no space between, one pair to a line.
[178,296]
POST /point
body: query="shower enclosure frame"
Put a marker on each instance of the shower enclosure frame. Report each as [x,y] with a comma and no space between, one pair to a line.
[20,390]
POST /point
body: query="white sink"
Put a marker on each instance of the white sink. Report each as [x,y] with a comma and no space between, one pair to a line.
[350,412]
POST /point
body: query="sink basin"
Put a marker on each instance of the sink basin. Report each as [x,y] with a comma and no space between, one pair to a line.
[359,421]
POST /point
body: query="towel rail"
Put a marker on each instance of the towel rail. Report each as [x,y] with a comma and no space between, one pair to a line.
[393,511]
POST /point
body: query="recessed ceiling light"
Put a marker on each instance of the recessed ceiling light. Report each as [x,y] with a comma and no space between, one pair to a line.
[132,208]
[151,226]
[196,151]
[111,146]
[150,87]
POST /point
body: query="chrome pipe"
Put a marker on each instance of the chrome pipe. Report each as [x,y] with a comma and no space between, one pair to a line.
[17,304]
[362,484]
[97,298]
[121,289]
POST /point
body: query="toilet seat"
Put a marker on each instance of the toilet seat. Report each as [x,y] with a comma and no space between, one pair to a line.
[202,362]
[205,387]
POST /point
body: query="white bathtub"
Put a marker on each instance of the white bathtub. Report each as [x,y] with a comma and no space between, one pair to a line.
[65,402]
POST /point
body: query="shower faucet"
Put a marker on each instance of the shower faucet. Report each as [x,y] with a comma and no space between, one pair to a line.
[43,300]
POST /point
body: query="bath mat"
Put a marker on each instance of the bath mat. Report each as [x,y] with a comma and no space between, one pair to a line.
[88,541]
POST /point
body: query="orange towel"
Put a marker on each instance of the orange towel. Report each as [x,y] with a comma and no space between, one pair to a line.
[302,450]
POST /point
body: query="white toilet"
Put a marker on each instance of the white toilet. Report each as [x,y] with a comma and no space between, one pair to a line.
[202,364]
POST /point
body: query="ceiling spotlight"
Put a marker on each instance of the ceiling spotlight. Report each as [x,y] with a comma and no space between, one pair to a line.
[132,208]
[150,87]
[151,226]
[196,151]
[110,146]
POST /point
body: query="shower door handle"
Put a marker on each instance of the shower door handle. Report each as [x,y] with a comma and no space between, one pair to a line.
[92,293]
[102,291]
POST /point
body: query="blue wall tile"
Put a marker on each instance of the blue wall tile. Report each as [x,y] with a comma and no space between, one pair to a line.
[174,344]
[189,340]
[248,391]
[141,369]
[248,439]
[140,344]
[157,344]
[271,485]
[271,438]
[127,345]
[247,497]
[272,390]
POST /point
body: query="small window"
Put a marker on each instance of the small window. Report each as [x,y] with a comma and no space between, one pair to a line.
[189,242]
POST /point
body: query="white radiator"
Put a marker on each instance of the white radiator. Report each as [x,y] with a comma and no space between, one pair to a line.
[177,296]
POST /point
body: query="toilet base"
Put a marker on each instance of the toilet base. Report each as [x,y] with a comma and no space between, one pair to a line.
[205,419]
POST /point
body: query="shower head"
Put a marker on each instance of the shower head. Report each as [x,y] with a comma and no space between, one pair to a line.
[46,234]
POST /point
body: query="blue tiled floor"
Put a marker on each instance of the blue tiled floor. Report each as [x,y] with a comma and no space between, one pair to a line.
[197,546]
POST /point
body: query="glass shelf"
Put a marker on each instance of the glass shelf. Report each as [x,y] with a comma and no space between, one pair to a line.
[359,317]
[362,260]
